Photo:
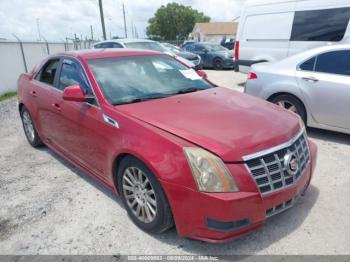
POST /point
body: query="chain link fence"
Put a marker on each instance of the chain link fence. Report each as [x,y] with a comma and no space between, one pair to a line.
[18,57]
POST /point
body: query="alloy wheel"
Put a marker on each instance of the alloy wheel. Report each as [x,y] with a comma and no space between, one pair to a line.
[28,126]
[139,194]
[287,105]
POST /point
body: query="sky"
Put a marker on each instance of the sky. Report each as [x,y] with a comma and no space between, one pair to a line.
[58,19]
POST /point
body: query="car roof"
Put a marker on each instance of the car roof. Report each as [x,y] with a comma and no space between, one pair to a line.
[317,50]
[206,43]
[293,60]
[87,54]
[125,40]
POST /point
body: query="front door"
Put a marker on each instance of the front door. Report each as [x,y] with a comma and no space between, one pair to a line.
[79,133]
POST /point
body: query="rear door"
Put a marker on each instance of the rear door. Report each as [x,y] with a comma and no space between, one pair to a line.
[325,82]
[45,92]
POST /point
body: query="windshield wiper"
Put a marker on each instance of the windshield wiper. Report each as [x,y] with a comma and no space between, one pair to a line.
[140,99]
[187,90]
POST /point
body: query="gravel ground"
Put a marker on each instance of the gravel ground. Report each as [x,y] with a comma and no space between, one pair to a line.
[49,207]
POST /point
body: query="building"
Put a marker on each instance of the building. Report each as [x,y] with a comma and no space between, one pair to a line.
[214,32]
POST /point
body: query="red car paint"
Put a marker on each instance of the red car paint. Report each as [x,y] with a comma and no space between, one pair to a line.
[225,122]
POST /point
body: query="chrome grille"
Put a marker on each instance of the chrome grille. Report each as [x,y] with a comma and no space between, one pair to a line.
[269,170]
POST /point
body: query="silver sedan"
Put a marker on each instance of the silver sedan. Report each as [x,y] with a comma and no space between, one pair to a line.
[314,84]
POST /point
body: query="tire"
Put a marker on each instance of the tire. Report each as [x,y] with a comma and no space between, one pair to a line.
[29,128]
[218,64]
[133,196]
[291,103]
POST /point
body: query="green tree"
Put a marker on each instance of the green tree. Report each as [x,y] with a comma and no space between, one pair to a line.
[172,20]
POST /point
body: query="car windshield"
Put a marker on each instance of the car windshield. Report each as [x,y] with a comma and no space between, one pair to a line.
[174,49]
[139,78]
[146,45]
[215,48]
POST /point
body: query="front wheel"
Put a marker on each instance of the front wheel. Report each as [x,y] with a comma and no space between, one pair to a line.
[218,64]
[143,196]
[291,104]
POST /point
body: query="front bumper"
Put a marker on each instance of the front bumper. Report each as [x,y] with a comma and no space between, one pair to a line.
[219,217]
[229,63]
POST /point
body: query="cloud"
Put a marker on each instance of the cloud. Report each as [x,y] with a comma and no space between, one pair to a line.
[59,19]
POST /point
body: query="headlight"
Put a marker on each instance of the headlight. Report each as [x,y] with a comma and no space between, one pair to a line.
[227,55]
[209,172]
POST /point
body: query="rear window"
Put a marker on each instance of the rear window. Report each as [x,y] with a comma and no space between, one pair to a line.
[308,65]
[146,45]
[320,25]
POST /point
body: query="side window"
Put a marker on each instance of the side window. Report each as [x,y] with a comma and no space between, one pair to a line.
[108,45]
[320,25]
[308,65]
[336,62]
[199,48]
[48,72]
[189,48]
[115,45]
[72,74]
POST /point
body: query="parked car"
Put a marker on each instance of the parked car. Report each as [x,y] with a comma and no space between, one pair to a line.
[213,55]
[314,84]
[272,30]
[187,42]
[177,149]
[195,59]
[143,44]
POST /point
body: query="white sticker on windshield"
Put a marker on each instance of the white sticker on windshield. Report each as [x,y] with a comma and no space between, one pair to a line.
[190,74]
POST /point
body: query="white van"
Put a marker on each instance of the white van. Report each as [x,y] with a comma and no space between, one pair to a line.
[270,30]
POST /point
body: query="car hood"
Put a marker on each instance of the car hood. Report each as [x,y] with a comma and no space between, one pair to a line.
[225,122]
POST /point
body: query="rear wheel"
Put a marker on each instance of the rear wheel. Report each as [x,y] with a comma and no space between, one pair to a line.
[29,129]
[291,104]
[143,196]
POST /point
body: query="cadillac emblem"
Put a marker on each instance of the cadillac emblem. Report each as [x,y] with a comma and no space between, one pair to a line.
[291,162]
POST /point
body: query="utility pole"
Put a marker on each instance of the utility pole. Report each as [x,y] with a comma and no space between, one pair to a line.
[38,27]
[126,30]
[136,33]
[102,20]
[132,29]
[92,32]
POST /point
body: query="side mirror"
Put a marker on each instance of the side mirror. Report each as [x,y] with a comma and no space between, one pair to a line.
[74,93]
[202,74]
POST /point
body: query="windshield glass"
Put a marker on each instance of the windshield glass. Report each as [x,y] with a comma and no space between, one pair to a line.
[137,78]
[215,48]
[146,45]
[174,49]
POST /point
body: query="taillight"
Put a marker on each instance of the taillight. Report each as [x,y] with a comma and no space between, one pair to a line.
[252,76]
[237,50]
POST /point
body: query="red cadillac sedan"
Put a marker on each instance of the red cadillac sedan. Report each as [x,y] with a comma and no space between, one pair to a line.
[177,149]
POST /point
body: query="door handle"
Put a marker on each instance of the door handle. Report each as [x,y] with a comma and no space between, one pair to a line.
[310,79]
[56,106]
[33,93]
